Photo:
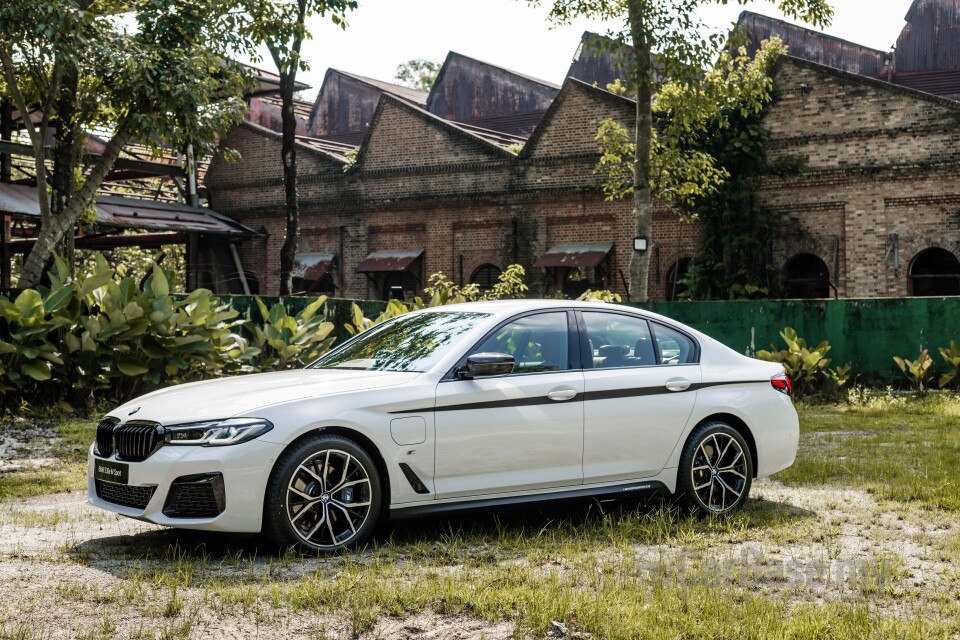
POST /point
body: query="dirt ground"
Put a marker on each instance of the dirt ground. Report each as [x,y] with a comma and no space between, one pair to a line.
[65,568]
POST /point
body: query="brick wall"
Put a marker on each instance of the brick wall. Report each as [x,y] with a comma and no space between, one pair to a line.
[859,167]
[881,168]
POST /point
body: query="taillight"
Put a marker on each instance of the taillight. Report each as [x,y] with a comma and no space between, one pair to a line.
[781,382]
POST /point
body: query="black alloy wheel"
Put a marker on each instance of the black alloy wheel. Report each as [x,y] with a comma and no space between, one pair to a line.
[324,495]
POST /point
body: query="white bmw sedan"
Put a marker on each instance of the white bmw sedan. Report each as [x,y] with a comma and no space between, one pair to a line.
[450,408]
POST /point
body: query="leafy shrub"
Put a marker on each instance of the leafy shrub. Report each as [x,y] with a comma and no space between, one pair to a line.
[917,371]
[283,341]
[951,357]
[99,336]
[442,292]
[805,366]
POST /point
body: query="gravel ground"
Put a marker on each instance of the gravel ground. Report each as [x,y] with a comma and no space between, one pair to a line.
[65,567]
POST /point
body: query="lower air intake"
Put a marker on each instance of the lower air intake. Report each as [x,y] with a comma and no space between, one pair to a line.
[124,494]
[196,496]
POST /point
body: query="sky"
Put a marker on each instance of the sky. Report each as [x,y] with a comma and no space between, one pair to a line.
[511,33]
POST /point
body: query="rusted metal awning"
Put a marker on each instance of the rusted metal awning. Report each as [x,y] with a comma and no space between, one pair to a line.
[380,261]
[132,213]
[16,198]
[572,256]
[313,266]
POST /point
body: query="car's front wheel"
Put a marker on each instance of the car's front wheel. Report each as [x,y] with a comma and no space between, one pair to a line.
[716,470]
[323,495]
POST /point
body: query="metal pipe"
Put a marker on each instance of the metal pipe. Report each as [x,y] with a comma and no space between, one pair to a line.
[6,135]
[239,266]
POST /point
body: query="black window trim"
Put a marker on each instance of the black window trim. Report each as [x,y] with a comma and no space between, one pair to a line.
[574,357]
[585,341]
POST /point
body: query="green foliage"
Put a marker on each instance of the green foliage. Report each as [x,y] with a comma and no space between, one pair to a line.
[951,357]
[672,58]
[917,371]
[838,377]
[164,76]
[601,295]
[418,73]
[442,292]
[733,258]
[99,335]
[282,341]
[701,129]
[806,367]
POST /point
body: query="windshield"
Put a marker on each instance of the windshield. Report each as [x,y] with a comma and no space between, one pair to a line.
[406,343]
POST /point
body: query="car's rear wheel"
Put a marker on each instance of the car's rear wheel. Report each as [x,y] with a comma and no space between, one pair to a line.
[323,495]
[716,470]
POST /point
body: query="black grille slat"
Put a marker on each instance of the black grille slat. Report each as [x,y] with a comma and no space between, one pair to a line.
[124,494]
[133,441]
[105,437]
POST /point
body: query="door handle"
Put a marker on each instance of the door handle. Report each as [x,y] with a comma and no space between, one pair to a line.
[677,384]
[562,394]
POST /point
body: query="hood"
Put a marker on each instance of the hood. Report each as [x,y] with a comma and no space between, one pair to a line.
[241,396]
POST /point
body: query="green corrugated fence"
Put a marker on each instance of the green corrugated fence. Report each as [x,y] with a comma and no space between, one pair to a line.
[866,333]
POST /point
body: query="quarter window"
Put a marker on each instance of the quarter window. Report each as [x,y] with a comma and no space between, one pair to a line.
[619,341]
[538,343]
[674,347]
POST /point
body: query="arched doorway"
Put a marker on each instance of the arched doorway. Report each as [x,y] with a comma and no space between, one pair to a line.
[935,272]
[806,276]
[677,279]
[485,276]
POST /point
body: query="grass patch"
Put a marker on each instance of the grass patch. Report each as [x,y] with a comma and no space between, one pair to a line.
[613,569]
[895,447]
[64,463]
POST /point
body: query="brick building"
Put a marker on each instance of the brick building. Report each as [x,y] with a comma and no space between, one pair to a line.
[864,181]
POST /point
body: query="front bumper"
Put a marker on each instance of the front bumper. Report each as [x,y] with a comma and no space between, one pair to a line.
[245,469]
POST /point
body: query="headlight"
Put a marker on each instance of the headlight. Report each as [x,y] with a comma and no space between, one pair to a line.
[217,434]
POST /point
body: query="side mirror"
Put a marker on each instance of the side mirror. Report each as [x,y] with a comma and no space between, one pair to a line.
[486,364]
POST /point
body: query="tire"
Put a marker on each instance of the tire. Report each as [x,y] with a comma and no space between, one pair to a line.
[323,495]
[716,470]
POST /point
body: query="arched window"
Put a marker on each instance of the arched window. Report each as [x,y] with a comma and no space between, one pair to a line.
[935,272]
[676,279]
[806,276]
[485,276]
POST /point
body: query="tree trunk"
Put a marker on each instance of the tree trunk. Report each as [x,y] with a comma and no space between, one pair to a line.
[288,151]
[642,204]
[37,133]
[53,233]
[65,156]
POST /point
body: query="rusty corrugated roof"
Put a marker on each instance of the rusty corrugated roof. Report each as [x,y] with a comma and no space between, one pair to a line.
[346,104]
[815,46]
[312,266]
[575,255]
[929,41]
[21,199]
[469,90]
[595,62]
[267,82]
[132,213]
[945,82]
[380,261]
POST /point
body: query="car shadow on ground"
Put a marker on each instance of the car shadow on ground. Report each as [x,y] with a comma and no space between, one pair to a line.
[641,522]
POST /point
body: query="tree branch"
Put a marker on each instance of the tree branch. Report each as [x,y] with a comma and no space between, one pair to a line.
[36,137]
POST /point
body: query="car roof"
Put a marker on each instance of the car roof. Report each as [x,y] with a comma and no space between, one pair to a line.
[502,307]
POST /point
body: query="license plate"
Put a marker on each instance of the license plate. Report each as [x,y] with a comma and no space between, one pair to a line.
[111,471]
